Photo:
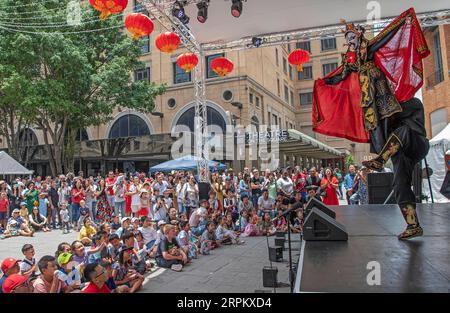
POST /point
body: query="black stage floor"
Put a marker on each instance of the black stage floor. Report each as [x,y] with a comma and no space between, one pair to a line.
[421,264]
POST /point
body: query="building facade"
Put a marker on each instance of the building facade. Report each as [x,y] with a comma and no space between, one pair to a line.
[263,89]
[436,89]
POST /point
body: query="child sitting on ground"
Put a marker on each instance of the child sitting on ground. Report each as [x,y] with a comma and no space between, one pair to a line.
[224,235]
[115,224]
[297,227]
[252,228]
[28,266]
[209,240]
[124,274]
[184,241]
[267,226]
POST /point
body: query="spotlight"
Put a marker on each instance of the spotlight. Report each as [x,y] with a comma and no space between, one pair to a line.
[202,15]
[236,8]
[179,13]
[257,42]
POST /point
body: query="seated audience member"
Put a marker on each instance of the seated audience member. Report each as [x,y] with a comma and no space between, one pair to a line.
[110,283]
[87,232]
[48,282]
[69,271]
[148,231]
[268,228]
[242,221]
[253,226]
[114,246]
[209,240]
[198,220]
[172,217]
[230,205]
[169,254]
[126,223]
[28,265]
[106,227]
[38,221]
[137,256]
[62,247]
[297,226]
[99,250]
[9,267]
[224,235]
[17,283]
[185,242]
[135,223]
[15,226]
[245,204]
[115,224]
[124,274]
[79,252]
[96,275]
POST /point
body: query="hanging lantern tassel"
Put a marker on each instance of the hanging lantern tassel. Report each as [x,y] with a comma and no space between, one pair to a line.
[139,25]
[222,66]
[298,57]
[108,7]
[187,61]
[167,42]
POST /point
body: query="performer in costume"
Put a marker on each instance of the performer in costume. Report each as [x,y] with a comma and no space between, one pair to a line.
[369,98]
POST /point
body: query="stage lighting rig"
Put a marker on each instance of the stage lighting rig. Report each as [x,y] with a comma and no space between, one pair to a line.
[257,42]
[202,14]
[179,13]
[236,8]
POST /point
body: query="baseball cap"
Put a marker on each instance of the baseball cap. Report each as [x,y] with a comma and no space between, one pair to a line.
[8,264]
[161,223]
[134,219]
[64,258]
[13,281]
[16,211]
[124,219]
[23,203]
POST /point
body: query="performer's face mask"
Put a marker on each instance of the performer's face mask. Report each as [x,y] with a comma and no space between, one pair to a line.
[352,40]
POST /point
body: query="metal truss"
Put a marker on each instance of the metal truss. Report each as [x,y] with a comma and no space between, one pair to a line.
[274,39]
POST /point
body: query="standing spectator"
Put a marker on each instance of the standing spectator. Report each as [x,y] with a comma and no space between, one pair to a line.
[190,195]
[4,208]
[256,187]
[329,185]
[161,184]
[53,198]
[361,193]
[314,178]
[134,192]
[89,197]
[64,193]
[299,180]
[77,195]
[104,210]
[110,182]
[244,186]
[30,195]
[119,197]
[64,217]
[348,182]
[285,184]
[266,204]
[338,175]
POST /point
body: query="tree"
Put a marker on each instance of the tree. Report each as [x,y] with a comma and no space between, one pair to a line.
[75,77]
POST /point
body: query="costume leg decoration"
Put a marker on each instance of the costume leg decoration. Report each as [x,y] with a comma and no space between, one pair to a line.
[392,146]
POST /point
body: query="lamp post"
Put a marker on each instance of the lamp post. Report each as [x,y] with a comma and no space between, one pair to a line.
[161,115]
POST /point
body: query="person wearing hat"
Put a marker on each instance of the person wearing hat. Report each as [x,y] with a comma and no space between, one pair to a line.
[145,203]
[10,266]
[16,226]
[17,283]
[126,222]
[70,271]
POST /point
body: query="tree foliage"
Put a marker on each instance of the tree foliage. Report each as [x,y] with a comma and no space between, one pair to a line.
[62,79]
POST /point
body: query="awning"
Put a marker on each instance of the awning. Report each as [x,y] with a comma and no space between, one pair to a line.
[301,144]
[9,166]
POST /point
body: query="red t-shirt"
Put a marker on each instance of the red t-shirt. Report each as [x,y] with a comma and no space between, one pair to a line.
[4,204]
[110,181]
[76,199]
[92,288]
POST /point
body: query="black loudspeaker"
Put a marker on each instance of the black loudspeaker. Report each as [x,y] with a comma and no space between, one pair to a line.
[315,203]
[203,190]
[280,234]
[270,278]
[320,226]
[276,254]
[445,189]
[279,242]
[379,186]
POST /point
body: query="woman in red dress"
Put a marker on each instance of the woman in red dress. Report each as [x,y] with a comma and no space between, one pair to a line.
[329,184]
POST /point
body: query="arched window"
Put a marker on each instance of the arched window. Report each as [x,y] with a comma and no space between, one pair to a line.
[28,138]
[129,125]
[438,121]
[81,135]
[213,118]
[255,122]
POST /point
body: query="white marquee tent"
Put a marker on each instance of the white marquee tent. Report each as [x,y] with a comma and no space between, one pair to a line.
[438,147]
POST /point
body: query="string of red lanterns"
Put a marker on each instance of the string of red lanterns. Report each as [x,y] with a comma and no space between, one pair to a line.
[298,57]
[139,25]
[108,7]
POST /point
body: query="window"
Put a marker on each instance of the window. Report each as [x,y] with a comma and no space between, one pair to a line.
[439,74]
[145,44]
[254,121]
[292,97]
[278,87]
[274,119]
[276,57]
[306,98]
[27,138]
[129,125]
[328,68]
[286,93]
[250,98]
[305,45]
[209,72]
[306,73]
[213,118]
[142,74]
[257,102]
[328,44]
[285,66]
[179,75]
[438,121]
[290,72]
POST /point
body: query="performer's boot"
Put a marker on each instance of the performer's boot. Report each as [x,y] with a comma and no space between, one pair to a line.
[410,215]
[391,147]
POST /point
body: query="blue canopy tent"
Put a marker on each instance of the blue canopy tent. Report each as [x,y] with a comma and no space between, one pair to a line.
[186,163]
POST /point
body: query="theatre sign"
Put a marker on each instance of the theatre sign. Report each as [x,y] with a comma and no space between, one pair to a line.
[276,135]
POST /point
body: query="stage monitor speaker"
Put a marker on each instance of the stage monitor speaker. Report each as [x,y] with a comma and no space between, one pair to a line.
[445,189]
[315,203]
[319,226]
[279,242]
[203,190]
[280,234]
[270,278]
[276,254]
[379,187]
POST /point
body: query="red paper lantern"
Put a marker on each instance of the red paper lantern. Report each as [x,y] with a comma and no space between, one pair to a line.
[139,25]
[187,61]
[222,66]
[108,7]
[298,57]
[167,42]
